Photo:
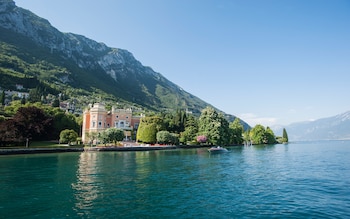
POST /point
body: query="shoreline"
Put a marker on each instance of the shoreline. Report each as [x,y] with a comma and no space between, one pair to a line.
[129,148]
[17,151]
[38,150]
[14,151]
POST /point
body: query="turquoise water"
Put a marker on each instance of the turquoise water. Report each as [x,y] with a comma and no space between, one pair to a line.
[298,180]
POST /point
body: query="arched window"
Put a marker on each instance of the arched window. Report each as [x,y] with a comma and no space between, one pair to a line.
[121,124]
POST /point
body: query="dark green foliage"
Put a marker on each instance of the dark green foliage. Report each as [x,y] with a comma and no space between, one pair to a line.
[191,130]
[23,100]
[2,98]
[56,103]
[260,135]
[214,126]
[68,136]
[284,136]
[112,135]
[175,122]
[270,136]
[35,121]
[63,121]
[165,137]
[236,129]
[148,128]
[35,95]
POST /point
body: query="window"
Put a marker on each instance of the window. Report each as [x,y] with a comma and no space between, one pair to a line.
[99,124]
[121,124]
[93,124]
[116,117]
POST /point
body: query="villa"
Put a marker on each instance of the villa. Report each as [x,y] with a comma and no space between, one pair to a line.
[97,119]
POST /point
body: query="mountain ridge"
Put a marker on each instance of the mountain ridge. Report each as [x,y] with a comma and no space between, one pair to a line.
[330,128]
[74,62]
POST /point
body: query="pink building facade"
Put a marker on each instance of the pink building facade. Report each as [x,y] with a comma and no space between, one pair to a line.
[96,119]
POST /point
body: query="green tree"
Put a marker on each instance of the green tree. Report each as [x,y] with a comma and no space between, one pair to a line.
[92,136]
[68,136]
[103,138]
[146,133]
[114,135]
[257,134]
[148,128]
[63,120]
[247,137]
[2,98]
[35,95]
[260,135]
[214,126]
[176,122]
[164,137]
[285,136]
[23,100]
[269,136]
[56,102]
[191,130]
[236,131]
[13,108]
[174,138]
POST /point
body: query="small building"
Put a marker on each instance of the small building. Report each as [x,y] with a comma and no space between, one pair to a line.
[97,119]
[19,87]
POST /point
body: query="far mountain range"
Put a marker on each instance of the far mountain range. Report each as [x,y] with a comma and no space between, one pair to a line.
[331,128]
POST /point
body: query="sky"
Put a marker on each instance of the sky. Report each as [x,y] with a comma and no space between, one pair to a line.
[269,62]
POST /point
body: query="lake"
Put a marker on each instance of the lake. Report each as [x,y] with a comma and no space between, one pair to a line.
[297,180]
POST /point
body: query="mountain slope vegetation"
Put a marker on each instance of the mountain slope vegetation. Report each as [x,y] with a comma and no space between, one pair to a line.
[34,53]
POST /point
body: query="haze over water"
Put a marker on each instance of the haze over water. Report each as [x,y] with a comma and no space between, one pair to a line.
[297,180]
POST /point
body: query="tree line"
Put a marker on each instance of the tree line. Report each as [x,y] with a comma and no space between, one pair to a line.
[37,122]
[210,128]
[20,123]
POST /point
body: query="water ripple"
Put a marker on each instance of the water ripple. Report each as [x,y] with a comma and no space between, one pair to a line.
[294,181]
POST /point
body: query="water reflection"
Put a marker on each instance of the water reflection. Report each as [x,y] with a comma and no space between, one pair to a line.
[86,188]
[143,169]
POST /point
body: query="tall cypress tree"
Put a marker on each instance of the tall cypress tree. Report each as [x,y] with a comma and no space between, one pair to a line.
[285,136]
[2,98]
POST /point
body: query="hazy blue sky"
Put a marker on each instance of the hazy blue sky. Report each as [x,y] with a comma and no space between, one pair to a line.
[265,61]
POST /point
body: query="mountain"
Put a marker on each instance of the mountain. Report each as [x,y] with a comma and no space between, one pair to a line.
[331,128]
[35,54]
